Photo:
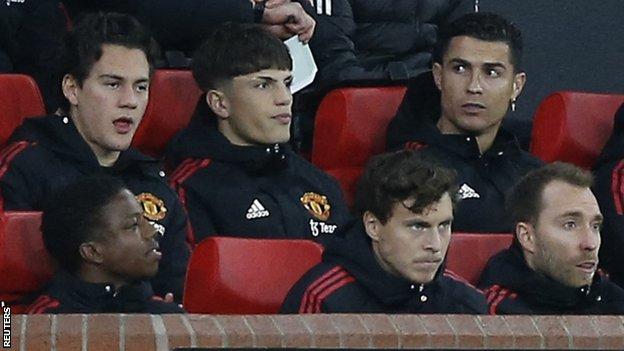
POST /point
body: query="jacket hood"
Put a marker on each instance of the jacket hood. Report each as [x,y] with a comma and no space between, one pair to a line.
[614,149]
[202,139]
[509,269]
[59,134]
[354,252]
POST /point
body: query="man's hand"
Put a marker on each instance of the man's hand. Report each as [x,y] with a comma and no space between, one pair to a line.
[286,19]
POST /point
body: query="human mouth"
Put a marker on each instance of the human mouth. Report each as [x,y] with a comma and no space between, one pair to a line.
[123,125]
[428,263]
[588,267]
[283,118]
[473,107]
[154,253]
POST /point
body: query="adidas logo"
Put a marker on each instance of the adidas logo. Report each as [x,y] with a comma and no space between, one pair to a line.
[256,210]
[466,192]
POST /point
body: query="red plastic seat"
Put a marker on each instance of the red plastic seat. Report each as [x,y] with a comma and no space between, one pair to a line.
[245,276]
[468,253]
[350,127]
[25,265]
[19,98]
[573,126]
[172,100]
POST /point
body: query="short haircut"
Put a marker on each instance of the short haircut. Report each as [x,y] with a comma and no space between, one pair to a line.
[394,177]
[237,49]
[524,202]
[483,26]
[82,47]
[73,216]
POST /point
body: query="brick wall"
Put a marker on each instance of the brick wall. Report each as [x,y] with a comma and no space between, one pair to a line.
[145,332]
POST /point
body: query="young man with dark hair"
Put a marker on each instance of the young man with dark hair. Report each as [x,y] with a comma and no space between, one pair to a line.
[551,268]
[391,259]
[106,75]
[235,171]
[455,116]
[105,249]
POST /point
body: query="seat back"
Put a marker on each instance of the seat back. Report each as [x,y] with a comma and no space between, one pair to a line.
[25,265]
[468,253]
[19,98]
[573,126]
[172,100]
[350,127]
[245,276]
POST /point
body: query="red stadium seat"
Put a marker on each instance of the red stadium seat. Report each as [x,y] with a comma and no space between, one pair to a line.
[468,253]
[25,265]
[573,126]
[19,98]
[172,100]
[245,276]
[350,127]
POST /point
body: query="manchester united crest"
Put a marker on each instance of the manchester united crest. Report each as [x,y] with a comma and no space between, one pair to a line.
[317,205]
[153,208]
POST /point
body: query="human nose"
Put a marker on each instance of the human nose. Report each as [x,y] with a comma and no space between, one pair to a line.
[128,97]
[590,240]
[283,96]
[433,243]
[148,229]
[475,84]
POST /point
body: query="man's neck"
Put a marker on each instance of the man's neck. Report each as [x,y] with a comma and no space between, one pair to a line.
[485,140]
[96,276]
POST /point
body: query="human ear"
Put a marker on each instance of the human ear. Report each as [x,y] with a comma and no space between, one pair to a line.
[437,75]
[518,85]
[525,232]
[218,103]
[371,225]
[91,252]
[70,88]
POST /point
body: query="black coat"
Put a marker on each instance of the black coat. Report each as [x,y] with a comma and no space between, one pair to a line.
[609,177]
[68,294]
[376,40]
[484,179]
[349,280]
[251,191]
[46,154]
[512,287]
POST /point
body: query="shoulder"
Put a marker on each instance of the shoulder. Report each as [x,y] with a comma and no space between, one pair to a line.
[318,284]
[470,299]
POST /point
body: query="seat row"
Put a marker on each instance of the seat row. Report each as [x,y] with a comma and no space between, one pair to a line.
[350,124]
[226,275]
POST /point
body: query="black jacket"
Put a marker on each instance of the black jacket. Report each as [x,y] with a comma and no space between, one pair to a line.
[69,294]
[349,280]
[250,191]
[609,177]
[45,154]
[512,287]
[376,40]
[484,179]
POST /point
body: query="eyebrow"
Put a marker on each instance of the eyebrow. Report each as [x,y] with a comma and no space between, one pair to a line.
[485,64]
[426,224]
[114,76]
[271,79]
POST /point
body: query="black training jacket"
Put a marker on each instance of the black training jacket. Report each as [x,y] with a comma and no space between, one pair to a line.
[376,40]
[608,188]
[69,294]
[512,287]
[349,280]
[262,192]
[483,179]
[47,153]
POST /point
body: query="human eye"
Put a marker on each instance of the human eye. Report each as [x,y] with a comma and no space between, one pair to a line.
[569,225]
[597,226]
[445,226]
[493,72]
[112,84]
[262,85]
[459,68]
[142,87]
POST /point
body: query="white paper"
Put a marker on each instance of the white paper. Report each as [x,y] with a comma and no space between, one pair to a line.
[304,67]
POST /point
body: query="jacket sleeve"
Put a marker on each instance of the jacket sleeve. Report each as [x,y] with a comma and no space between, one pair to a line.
[21,183]
[172,269]
[200,216]
[610,195]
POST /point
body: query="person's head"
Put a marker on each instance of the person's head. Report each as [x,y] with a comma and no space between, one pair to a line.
[477,62]
[557,222]
[107,61]
[246,74]
[95,229]
[406,203]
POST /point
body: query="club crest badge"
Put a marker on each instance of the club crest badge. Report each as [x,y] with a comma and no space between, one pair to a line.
[153,208]
[317,205]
